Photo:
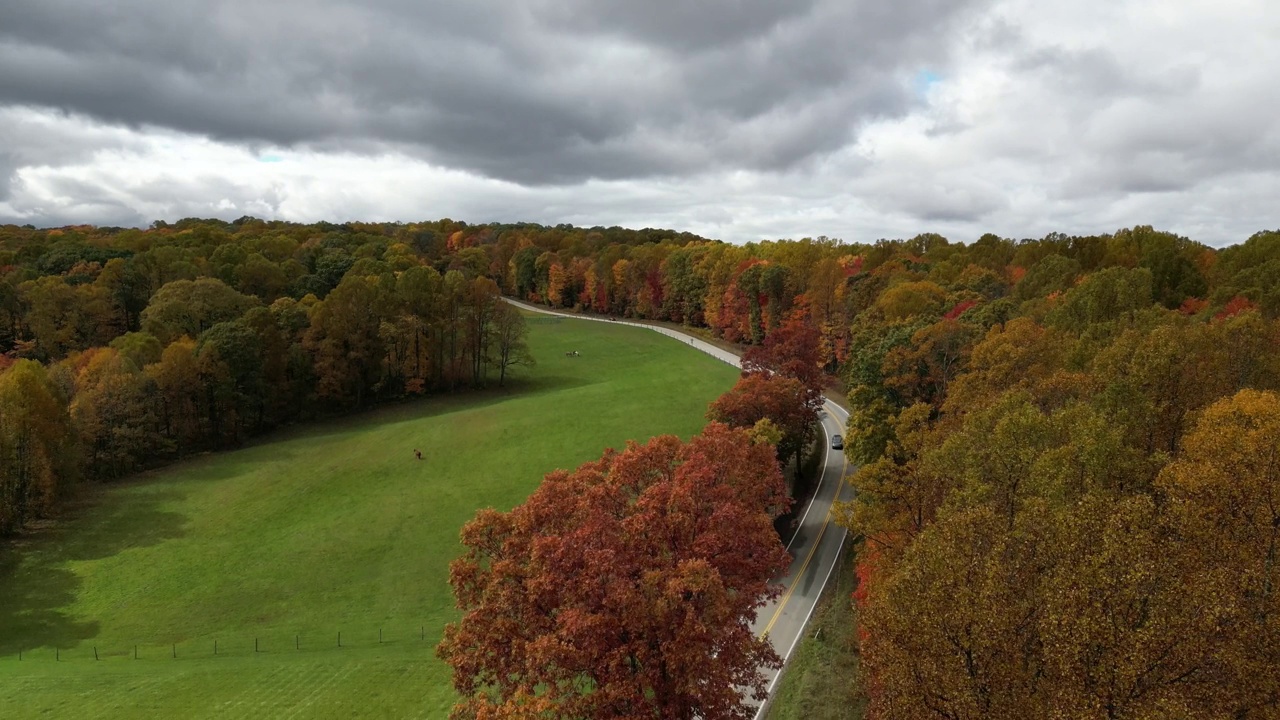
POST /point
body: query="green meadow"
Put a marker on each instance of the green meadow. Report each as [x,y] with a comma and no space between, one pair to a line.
[330,528]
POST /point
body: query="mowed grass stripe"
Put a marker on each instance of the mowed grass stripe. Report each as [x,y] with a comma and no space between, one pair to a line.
[315,530]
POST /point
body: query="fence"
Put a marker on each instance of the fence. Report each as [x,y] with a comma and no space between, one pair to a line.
[546,315]
[266,643]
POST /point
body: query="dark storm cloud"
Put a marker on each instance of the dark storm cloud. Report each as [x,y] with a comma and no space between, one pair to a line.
[535,91]
[8,168]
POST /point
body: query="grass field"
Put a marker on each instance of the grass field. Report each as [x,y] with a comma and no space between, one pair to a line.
[315,531]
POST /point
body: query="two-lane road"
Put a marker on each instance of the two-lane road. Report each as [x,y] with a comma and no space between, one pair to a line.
[817,542]
[815,549]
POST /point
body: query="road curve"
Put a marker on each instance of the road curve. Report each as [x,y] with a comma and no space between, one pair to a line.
[815,548]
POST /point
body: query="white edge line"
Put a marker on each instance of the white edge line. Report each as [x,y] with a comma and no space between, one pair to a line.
[786,658]
[826,454]
[844,534]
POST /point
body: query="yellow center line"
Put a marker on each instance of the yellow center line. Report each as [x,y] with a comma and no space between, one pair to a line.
[782,604]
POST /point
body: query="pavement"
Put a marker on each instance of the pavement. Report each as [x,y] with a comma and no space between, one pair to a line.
[815,547]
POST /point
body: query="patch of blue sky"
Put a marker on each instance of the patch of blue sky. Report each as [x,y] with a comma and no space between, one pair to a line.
[270,158]
[924,81]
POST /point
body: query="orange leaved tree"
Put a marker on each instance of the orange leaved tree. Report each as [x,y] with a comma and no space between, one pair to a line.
[784,400]
[625,588]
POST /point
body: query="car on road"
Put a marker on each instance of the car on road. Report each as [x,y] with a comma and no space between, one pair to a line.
[837,442]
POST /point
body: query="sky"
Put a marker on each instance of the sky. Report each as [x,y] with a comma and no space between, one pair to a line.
[735,119]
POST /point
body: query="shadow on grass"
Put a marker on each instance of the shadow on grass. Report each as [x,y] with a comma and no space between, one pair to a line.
[37,585]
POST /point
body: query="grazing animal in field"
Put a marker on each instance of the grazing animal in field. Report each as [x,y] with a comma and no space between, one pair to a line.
[572,353]
[417,454]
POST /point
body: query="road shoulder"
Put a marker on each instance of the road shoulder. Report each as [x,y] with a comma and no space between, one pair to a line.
[822,679]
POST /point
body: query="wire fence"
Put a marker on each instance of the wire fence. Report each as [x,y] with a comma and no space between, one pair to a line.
[262,644]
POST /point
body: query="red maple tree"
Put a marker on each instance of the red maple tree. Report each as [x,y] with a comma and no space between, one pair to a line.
[1193,305]
[1235,306]
[959,309]
[784,400]
[625,588]
[793,349]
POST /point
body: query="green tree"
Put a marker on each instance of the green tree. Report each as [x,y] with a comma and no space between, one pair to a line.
[509,339]
[63,318]
[418,292]
[482,301]
[1174,275]
[991,456]
[923,370]
[345,343]
[129,289]
[911,299]
[263,278]
[1106,296]
[231,371]
[869,430]
[1051,274]
[189,307]
[142,349]
[898,495]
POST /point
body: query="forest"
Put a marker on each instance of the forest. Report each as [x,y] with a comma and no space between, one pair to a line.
[1068,490]
[1068,487]
[123,349]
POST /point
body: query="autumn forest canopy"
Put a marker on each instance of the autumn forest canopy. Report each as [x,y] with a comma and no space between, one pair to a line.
[1067,447]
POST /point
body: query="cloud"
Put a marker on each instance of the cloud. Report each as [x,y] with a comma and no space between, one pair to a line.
[8,169]
[30,138]
[548,91]
[738,119]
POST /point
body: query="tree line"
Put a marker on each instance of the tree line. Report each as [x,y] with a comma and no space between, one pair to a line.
[1060,494]
[127,347]
[1067,448]
[1067,490]
[124,349]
